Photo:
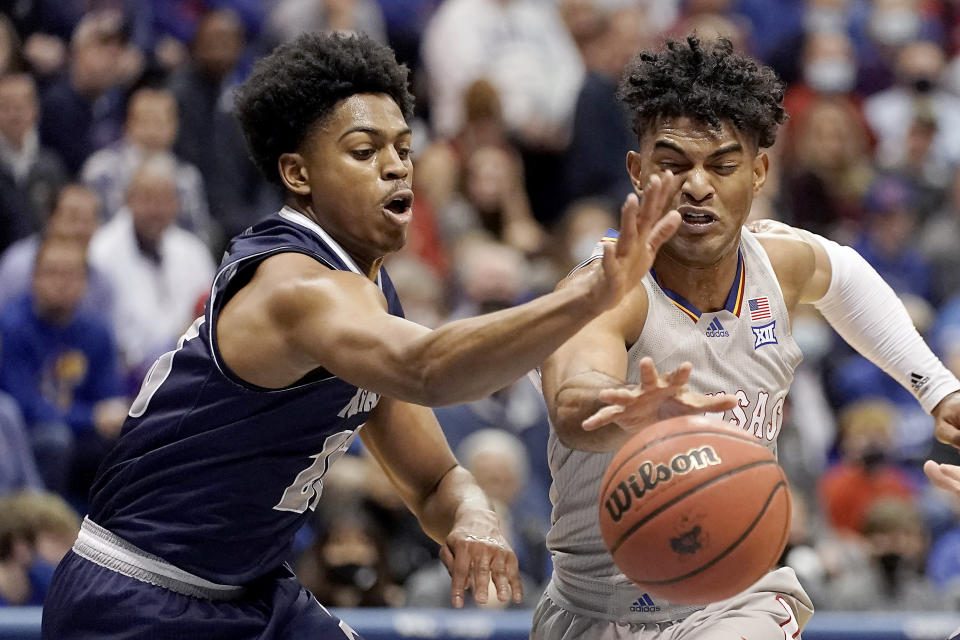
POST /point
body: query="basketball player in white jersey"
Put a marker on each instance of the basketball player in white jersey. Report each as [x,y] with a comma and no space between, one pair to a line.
[720,296]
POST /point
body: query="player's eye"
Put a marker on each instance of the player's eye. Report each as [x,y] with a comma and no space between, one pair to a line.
[403,152]
[726,169]
[362,154]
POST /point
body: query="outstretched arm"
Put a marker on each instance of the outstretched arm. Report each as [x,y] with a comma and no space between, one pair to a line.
[407,442]
[310,317]
[867,313]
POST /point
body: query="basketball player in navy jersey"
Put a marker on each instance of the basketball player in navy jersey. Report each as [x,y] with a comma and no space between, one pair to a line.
[302,343]
[721,296]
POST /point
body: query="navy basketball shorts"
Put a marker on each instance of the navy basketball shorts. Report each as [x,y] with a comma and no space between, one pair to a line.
[92,602]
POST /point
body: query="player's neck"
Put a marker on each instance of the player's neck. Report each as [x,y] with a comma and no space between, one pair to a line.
[369,266]
[706,286]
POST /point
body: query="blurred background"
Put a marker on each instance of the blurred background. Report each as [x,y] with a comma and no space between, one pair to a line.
[123,173]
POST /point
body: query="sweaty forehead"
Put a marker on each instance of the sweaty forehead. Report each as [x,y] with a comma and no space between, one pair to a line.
[687,132]
[364,111]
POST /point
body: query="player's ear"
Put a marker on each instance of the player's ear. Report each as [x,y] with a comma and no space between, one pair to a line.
[760,165]
[293,173]
[635,169]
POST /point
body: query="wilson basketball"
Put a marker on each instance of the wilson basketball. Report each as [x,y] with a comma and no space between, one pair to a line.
[694,511]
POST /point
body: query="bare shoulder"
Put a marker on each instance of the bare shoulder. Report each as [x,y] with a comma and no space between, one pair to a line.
[791,254]
[292,284]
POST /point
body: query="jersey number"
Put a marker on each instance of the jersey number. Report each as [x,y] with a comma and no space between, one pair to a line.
[308,485]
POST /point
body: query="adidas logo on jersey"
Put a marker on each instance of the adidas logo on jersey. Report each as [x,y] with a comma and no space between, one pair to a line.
[644,604]
[716,330]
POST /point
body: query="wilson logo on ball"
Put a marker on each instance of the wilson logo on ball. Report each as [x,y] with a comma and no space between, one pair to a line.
[648,476]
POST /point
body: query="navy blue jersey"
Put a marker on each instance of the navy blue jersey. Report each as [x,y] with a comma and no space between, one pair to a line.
[211,473]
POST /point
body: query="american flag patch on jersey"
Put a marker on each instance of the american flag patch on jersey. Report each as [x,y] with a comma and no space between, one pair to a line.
[759,309]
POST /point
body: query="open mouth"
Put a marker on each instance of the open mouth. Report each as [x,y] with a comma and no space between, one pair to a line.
[697,217]
[399,206]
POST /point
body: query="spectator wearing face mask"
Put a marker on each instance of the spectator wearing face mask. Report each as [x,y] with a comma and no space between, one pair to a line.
[892,113]
[896,540]
[865,471]
[829,70]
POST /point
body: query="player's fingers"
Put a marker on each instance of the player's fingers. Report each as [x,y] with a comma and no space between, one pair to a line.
[619,395]
[481,571]
[648,373]
[459,576]
[513,576]
[679,376]
[945,476]
[663,230]
[498,571]
[652,197]
[602,417]
[446,557]
[628,224]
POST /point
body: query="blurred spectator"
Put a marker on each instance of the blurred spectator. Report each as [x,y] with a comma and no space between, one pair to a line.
[893,580]
[829,69]
[346,566]
[18,470]
[827,168]
[157,270]
[490,276]
[946,334]
[498,461]
[36,531]
[420,289]
[440,165]
[60,365]
[939,241]
[943,561]
[152,123]
[886,243]
[81,111]
[11,55]
[891,113]
[517,410]
[493,200]
[595,161]
[31,174]
[865,471]
[712,19]
[209,135]
[290,18]
[580,229]
[521,46]
[75,216]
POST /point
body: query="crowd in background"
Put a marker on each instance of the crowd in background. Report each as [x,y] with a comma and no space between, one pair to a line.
[123,173]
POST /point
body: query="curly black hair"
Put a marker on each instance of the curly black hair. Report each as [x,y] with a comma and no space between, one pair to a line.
[297,86]
[708,83]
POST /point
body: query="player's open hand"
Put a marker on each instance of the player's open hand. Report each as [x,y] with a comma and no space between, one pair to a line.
[945,476]
[477,552]
[947,420]
[643,230]
[656,398]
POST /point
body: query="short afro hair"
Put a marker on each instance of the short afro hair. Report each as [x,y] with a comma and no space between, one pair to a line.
[710,84]
[298,85]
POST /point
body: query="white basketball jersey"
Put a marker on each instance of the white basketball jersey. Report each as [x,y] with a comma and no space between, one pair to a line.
[745,350]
